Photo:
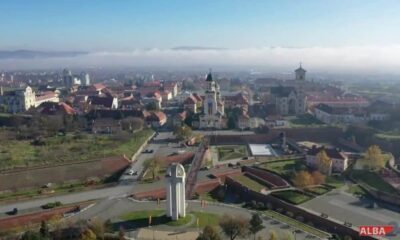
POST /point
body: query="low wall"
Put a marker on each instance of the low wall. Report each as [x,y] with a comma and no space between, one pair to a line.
[160,193]
[309,218]
[327,134]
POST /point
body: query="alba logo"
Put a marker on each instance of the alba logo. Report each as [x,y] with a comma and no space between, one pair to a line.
[375,230]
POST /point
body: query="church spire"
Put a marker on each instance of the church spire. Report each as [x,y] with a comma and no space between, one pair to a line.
[209,77]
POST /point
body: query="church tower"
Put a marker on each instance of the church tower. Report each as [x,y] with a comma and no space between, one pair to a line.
[210,102]
[300,73]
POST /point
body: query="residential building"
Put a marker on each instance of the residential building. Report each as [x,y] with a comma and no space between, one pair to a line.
[18,100]
[339,158]
[347,115]
[156,119]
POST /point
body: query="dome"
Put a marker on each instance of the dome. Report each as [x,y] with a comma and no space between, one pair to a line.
[176,170]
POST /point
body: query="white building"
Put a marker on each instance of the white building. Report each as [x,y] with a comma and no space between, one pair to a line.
[18,100]
[339,159]
[347,115]
[85,78]
[213,107]
[176,202]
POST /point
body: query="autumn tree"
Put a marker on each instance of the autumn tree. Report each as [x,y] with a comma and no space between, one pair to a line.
[183,133]
[209,233]
[374,158]
[234,227]
[256,224]
[324,163]
[303,179]
[318,177]
[273,235]
[88,234]
[132,124]
[153,165]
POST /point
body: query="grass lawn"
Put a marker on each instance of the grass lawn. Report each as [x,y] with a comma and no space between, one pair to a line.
[373,180]
[69,148]
[207,197]
[306,120]
[280,167]
[205,219]
[389,136]
[158,217]
[292,196]
[334,181]
[319,190]
[231,152]
[249,183]
[297,224]
[356,190]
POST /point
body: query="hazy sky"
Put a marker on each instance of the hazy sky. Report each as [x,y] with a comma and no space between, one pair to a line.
[322,33]
[127,25]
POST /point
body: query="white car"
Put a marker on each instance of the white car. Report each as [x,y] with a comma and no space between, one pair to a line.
[131,172]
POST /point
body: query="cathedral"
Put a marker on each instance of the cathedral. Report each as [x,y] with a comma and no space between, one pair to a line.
[213,107]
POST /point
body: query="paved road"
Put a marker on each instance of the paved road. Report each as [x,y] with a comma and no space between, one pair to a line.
[137,166]
[346,207]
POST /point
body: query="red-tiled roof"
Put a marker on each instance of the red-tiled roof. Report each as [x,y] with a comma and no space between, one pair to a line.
[331,152]
[190,100]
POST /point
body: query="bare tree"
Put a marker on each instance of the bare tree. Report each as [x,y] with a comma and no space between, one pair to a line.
[234,226]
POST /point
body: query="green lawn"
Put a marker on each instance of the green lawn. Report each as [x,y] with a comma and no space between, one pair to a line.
[231,152]
[249,183]
[141,218]
[334,181]
[306,120]
[292,196]
[205,219]
[388,136]
[319,190]
[373,180]
[297,224]
[280,167]
[356,190]
[69,148]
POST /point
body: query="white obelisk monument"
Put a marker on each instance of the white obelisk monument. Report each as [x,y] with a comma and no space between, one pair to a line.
[176,202]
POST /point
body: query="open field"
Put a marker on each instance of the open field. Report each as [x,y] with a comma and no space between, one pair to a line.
[249,183]
[69,148]
[231,152]
[292,196]
[373,180]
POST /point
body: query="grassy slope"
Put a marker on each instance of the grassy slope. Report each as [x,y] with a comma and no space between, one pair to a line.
[68,148]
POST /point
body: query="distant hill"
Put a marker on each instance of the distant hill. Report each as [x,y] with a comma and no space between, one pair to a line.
[29,54]
[191,48]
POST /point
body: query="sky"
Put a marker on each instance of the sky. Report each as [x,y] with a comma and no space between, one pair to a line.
[253,28]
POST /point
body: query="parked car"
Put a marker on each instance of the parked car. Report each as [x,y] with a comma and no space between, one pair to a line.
[13,212]
[148,151]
